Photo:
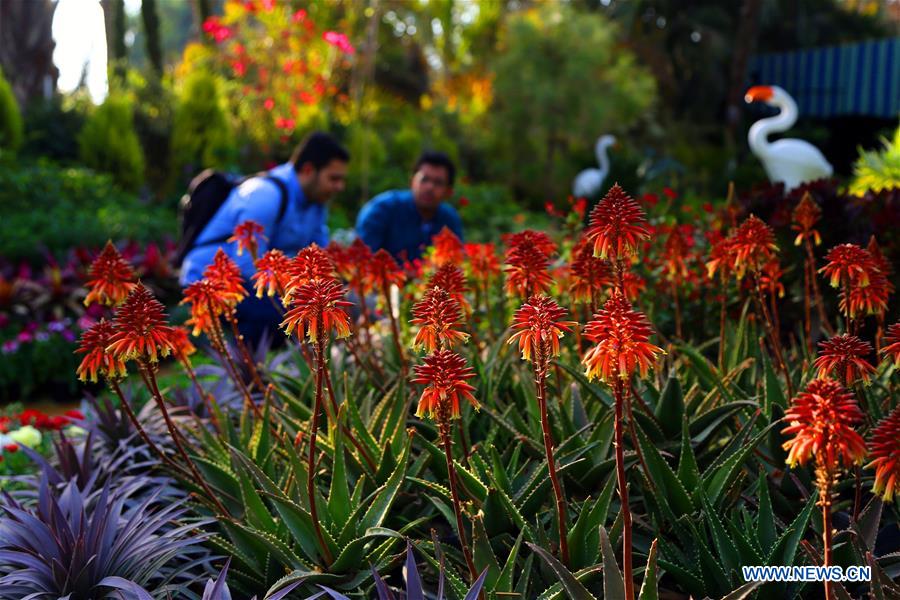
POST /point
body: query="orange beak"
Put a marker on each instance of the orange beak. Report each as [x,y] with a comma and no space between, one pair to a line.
[759,93]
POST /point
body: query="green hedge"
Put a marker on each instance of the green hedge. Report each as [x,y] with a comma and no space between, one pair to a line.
[10,118]
[45,206]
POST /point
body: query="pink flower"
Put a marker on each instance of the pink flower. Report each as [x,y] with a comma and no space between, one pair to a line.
[339,41]
[298,16]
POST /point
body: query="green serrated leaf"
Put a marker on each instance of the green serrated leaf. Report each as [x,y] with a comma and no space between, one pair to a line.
[649,589]
[575,590]
[613,582]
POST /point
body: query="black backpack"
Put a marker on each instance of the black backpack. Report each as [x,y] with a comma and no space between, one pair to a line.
[207,193]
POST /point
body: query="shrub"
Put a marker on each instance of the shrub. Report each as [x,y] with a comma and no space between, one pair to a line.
[201,136]
[108,143]
[50,208]
[11,131]
[876,170]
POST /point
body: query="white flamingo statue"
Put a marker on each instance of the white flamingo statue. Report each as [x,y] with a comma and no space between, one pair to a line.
[590,181]
[790,161]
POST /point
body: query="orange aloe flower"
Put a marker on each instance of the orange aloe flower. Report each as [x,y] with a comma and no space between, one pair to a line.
[539,324]
[483,262]
[437,314]
[140,329]
[622,337]
[271,275]
[820,425]
[311,264]
[721,257]
[752,246]
[676,250]
[843,356]
[447,248]
[884,449]
[384,271]
[246,234]
[111,278]
[871,299]
[848,263]
[182,343]
[226,275]
[451,279]
[527,271]
[617,225]
[891,351]
[634,285]
[805,216]
[209,301]
[590,274]
[93,345]
[317,307]
[341,258]
[770,278]
[359,258]
[529,237]
[444,373]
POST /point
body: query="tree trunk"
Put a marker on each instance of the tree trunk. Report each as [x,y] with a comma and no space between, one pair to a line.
[26,48]
[114,21]
[150,19]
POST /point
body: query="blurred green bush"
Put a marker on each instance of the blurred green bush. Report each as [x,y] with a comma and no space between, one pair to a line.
[201,134]
[108,143]
[53,208]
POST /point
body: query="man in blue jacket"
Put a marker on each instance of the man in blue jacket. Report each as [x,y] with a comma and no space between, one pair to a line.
[404,221]
[316,172]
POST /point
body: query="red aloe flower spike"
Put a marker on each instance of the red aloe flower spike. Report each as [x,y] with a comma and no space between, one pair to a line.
[843,356]
[538,325]
[111,278]
[140,329]
[444,373]
[311,264]
[848,263]
[752,246]
[721,258]
[622,342]
[617,225]
[246,234]
[884,450]
[871,299]
[224,273]
[384,271]
[805,216]
[483,262]
[93,345]
[892,350]
[529,237]
[447,248]
[821,421]
[527,271]
[451,279]
[271,275]
[318,303]
[438,315]
[181,342]
[590,274]
[209,301]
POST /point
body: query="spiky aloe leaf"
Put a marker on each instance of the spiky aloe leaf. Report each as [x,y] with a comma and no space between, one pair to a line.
[574,589]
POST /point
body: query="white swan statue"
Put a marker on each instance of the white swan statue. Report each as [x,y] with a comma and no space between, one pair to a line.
[790,161]
[590,181]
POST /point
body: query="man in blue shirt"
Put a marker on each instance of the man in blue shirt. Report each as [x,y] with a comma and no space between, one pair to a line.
[404,221]
[316,172]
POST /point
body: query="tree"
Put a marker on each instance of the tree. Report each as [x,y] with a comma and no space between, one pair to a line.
[561,80]
[150,18]
[26,48]
[114,21]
